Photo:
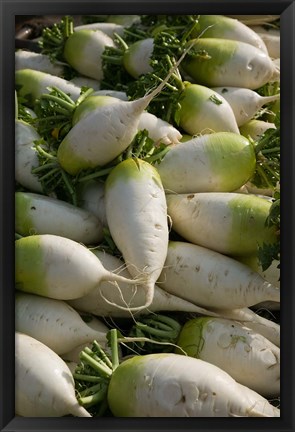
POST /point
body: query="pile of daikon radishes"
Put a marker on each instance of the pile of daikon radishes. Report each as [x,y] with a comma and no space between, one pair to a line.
[147,218]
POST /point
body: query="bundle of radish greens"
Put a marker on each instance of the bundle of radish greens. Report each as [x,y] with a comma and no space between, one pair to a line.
[147,218]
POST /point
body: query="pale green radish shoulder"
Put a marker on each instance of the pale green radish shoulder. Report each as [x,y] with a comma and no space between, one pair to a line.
[41,214]
[217,162]
[226,64]
[228,222]
[57,267]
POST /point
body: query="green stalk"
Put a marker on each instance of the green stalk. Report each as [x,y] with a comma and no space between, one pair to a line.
[100,367]
[114,348]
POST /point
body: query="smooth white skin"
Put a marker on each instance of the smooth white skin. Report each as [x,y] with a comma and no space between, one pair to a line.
[106,27]
[53,322]
[70,269]
[48,215]
[159,130]
[240,31]
[252,20]
[250,358]
[113,93]
[212,280]
[44,385]
[257,323]
[172,385]
[89,62]
[271,38]
[244,102]
[130,296]
[91,198]
[138,62]
[26,156]
[136,212]
[37,61]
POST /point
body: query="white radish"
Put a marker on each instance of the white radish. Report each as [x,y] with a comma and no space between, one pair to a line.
[40,214]
[53,322]
[106,132]
[37,61]
[136,58]
[202,110]
[247,356]
[229,63]
[212,280]
[26,156]
[57,267]
[108,28]
[255,128]
[251,20]
[227,222]
[271,274]
[44,385]
[254,321]
[31,84]
[136,212]
[173,385]
[83,50]
[114,93]
[217,162]
[159,130]
[91,198]
[245,103]
[129,296]
[271,38]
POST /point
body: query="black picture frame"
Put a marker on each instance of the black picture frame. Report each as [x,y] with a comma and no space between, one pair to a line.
[11,8]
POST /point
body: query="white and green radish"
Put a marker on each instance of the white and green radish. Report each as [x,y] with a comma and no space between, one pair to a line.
[106,132]
[224,27]
[41,214]
[217,162]
[166,385]
[26,156]
[128,296]
[255,128]
[158,129]
[31,84]
[83,50]
[44,385]
[136,212]
[136,59]
[251,319]
[56,267]
[247,356]
[173,385]
[91,198]
[219,62]
[114,93]
[227,222]
[245,103]
[202,110]
[54,323]
[37,61]
[212,280]
[109,28]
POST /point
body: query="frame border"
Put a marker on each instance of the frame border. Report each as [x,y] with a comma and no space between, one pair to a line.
[10,8]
